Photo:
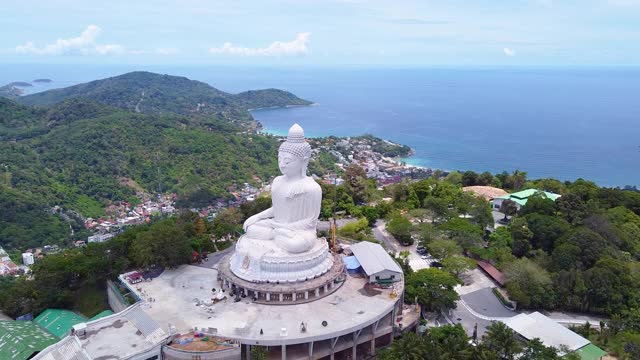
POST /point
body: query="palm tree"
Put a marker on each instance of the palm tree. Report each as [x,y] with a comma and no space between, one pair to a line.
[409,347]
[502,340]
[519,178]
[481,352]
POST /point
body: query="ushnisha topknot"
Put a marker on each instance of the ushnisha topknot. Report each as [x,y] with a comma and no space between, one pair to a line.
[296,144]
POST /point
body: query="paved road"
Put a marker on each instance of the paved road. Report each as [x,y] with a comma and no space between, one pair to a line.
[415,260]
[380,233]
[214,259]
[478,305]
[497,216]
[484,302]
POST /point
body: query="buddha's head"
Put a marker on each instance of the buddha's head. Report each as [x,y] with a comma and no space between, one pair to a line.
[294,153]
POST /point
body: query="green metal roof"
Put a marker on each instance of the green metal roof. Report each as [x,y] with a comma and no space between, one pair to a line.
[521,197]
[19,340]
[58,322]
[590,352]
[101,315]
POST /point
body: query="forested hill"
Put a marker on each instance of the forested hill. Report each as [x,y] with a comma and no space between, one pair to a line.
[150,93]
[82,155]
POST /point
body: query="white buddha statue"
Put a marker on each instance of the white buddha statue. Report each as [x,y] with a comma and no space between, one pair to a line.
[280,243]
[296,197]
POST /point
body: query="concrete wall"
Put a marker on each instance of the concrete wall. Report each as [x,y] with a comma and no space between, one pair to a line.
[170,353]
[116,300]
[385,275]
[4,317]
[154,353]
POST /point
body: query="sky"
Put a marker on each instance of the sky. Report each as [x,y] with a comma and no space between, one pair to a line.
[322,32]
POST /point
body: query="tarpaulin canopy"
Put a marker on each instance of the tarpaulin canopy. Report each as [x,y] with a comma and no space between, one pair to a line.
[351,262]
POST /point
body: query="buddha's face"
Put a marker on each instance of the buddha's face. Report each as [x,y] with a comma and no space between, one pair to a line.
[289,164]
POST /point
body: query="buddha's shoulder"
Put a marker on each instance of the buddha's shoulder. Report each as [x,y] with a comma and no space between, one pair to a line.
[312,184]
[307,183]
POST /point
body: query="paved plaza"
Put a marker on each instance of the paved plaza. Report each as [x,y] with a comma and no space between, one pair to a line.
[485,303]
[179,297]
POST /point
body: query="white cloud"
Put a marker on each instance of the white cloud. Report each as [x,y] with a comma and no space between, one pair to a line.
[418,21]
[624,2]
[277,48]
[509,52]
[85,44]
[166,51]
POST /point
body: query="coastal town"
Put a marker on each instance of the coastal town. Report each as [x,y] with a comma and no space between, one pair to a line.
[380,159]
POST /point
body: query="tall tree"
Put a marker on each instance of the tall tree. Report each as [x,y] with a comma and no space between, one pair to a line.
[458,264]
[536,350]
[529,284]
[443,248]
[448,342]
[572,208]
[502,340]
[521,236]
[519,179]
[433,288]
[355,182]
[400,228]
[409,347]
[508,208]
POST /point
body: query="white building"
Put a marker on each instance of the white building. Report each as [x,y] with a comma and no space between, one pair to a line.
[376,262]
[536,325]
[27,259]
[98,238]
[4,256]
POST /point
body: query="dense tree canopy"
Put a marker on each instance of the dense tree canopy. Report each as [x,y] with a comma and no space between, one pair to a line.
[432,288]
[59,278]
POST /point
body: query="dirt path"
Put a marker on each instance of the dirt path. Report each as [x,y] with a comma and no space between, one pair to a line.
[139,102]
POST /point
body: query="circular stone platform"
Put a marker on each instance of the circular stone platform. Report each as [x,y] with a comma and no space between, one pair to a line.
[264,261]
[275,293]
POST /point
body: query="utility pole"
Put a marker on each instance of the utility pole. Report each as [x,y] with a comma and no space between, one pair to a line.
[158,168]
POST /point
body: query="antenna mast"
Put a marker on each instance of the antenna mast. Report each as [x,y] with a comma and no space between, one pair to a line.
[334,225]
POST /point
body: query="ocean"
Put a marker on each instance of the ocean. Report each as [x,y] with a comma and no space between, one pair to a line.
[563,123]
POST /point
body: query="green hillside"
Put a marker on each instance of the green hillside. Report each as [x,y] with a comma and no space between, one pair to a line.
[82,155]
[86,146]
[150,93]
[17,120]
[255,99]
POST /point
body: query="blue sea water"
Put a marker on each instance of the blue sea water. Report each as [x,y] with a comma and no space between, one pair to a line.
[564,123]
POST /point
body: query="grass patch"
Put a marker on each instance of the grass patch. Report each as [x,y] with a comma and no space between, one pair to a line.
[504,301]
[91,300]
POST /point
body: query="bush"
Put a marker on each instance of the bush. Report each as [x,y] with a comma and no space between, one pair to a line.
[400,228]
[222,245]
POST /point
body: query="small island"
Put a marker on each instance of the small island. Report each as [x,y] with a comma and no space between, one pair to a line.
[42,80]
[20,84]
